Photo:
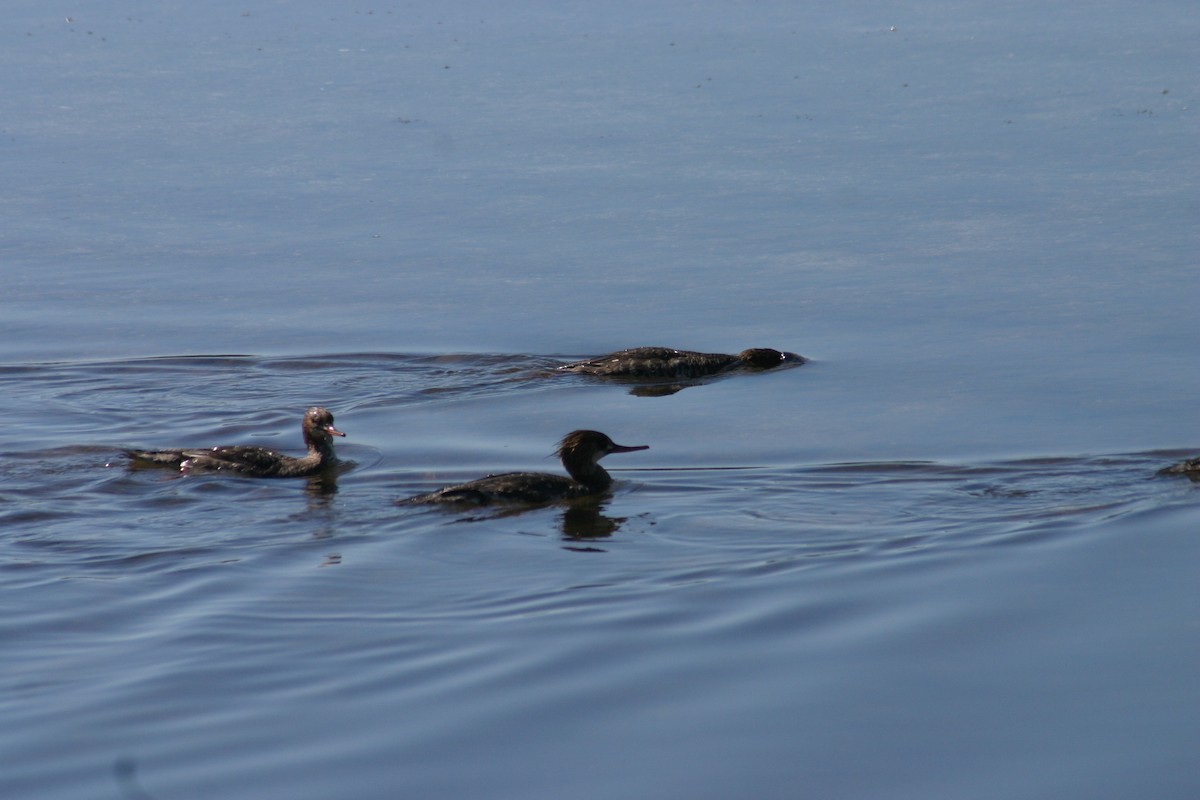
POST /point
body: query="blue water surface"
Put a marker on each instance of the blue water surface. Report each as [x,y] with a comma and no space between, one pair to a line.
[934,561]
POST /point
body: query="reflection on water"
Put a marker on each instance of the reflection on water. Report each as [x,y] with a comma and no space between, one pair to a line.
[980,218]
[322,487]
[583,520]
[578,519]
[863,507]
[200,584]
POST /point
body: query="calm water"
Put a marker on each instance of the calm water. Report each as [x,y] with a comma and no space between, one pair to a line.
[933,562]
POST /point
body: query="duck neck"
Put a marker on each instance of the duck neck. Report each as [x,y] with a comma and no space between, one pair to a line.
[589,473]
[320,450]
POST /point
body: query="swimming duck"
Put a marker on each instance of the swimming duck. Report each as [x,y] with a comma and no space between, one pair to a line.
[258,462]
[666,362]
[1191,468]
[579,450]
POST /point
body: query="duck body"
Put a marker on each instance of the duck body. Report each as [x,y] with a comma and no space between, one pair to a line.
[248,460]
[579,450]
[1191,468]
[667,362]
[530,488]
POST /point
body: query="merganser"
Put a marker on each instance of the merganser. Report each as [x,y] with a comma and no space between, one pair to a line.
[666,362]
[253,461]
[579,450]
[1191,468]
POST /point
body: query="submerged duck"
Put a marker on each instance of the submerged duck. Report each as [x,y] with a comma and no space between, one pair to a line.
[579,450]
[1191,468]
[666,362]
[253,461]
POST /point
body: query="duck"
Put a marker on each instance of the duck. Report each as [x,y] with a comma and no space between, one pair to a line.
[1190,467]
[667,362]
[580,452]
[257,462]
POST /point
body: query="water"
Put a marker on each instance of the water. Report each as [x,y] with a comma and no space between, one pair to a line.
[933,562]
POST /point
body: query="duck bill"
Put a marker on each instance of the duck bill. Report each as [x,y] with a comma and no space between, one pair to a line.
[332,431]
[621,448]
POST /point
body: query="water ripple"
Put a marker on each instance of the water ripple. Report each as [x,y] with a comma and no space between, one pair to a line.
[66,497]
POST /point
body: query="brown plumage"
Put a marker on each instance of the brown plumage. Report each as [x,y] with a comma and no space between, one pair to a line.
[1191,468]
[579,450]
[253,461]
[666,362]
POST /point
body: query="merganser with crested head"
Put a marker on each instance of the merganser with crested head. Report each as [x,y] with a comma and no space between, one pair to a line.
[580,452]
[258,462]
[666,362]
